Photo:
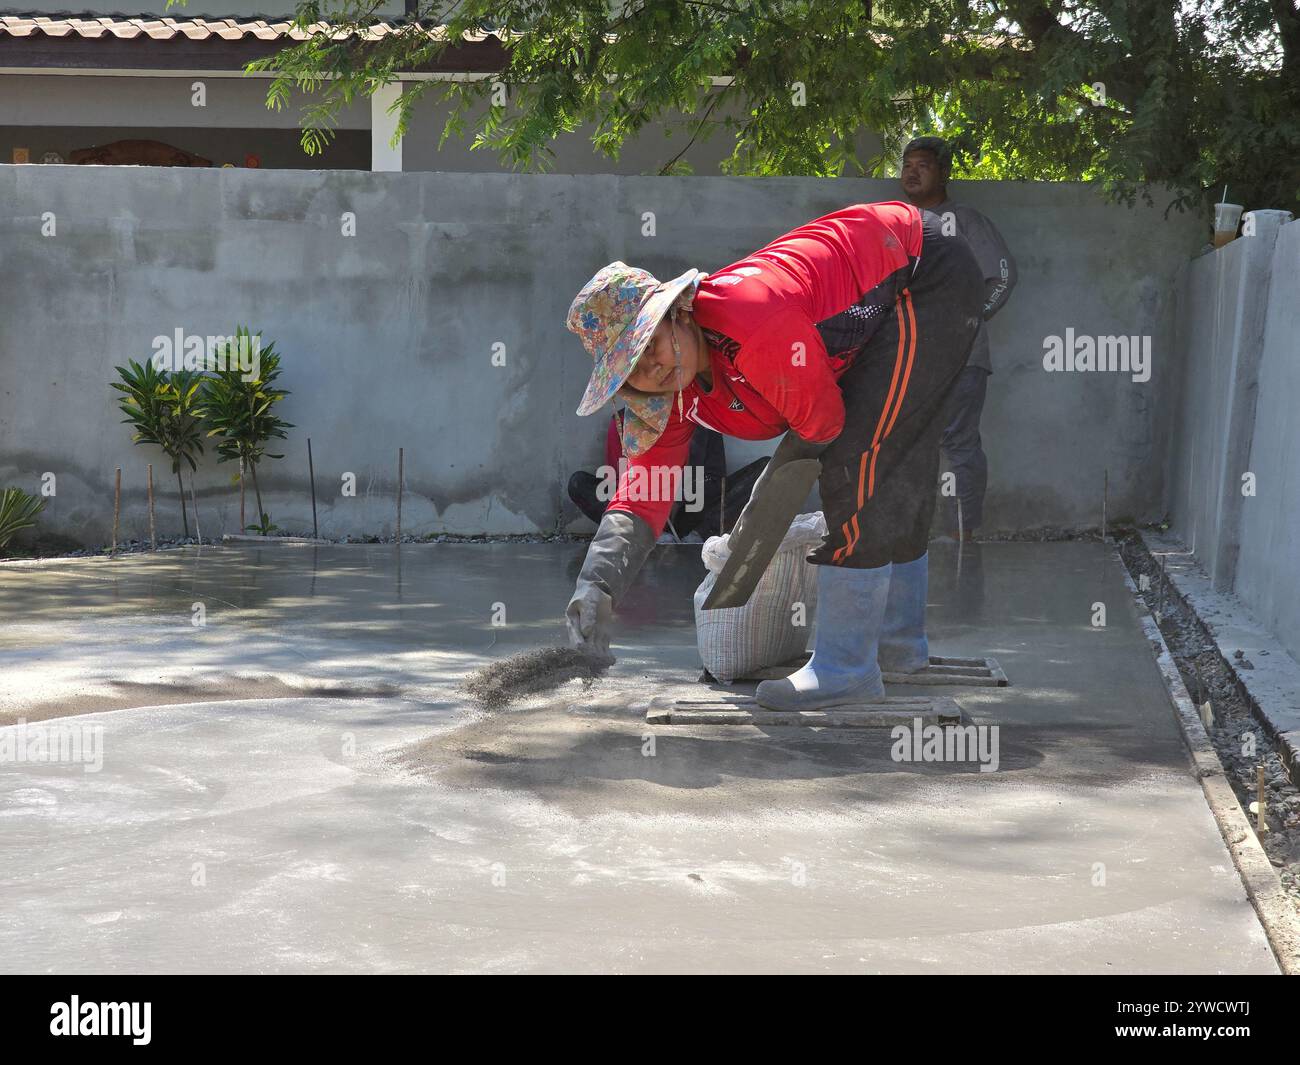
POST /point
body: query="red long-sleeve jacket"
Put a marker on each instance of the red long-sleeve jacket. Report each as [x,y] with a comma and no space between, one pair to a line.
[782,325]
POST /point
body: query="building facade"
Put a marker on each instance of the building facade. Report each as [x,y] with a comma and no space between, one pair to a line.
[172,85]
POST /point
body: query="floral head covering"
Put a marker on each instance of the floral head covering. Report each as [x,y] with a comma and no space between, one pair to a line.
[615,315]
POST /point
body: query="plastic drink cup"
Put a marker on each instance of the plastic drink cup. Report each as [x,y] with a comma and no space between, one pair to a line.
[1226,218]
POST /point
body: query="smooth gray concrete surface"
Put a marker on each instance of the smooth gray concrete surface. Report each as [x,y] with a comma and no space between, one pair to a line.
[439,328]
[366,820]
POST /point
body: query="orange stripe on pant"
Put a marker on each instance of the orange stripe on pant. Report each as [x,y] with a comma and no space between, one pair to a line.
[905,315]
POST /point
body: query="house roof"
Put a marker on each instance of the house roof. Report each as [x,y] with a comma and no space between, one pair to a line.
[69,42]
[194,29]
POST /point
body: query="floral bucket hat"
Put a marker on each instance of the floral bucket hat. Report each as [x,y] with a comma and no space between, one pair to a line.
[615,315]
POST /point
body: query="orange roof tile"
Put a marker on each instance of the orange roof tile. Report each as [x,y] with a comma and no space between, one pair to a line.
[196,29]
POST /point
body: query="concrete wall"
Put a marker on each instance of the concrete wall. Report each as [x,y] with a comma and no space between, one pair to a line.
[1209,308]
[165,101]
[1237,417]
[1055,439]
[388,336]
[64,112]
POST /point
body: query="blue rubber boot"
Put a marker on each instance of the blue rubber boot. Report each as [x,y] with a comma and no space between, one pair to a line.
[843,669]
[903,646]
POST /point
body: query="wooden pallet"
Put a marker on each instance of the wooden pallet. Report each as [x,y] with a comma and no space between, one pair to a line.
[972,672]
[979,672]
[724,708]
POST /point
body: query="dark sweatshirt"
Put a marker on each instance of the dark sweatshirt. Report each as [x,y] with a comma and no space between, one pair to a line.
[995,261]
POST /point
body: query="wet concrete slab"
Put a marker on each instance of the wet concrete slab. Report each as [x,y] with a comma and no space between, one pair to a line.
[296,785]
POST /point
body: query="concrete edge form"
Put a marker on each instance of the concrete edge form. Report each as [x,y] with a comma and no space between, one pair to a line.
[1273,906]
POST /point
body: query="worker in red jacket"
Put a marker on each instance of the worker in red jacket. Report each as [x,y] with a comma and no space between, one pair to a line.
[848,332]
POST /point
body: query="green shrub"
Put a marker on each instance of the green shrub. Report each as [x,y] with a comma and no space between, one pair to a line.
[18,511]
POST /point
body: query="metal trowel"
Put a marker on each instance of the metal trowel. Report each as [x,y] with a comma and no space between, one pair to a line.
[773,505]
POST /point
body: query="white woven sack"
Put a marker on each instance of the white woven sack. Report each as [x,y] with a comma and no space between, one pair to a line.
[735,641]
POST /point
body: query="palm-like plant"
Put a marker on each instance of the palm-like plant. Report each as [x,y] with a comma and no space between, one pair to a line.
[166,410]
[18,510]
[241,412]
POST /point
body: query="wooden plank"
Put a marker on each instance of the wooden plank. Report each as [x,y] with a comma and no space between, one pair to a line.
[972,672]
[725,709]
[944,675]
[805,718]
[727,699]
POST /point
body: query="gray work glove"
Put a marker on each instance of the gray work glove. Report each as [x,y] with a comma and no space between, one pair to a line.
[617,551]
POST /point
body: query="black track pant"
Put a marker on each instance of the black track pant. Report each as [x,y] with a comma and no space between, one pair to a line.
[879,476]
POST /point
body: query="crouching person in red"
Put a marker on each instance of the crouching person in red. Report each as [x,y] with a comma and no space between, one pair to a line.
[848,332]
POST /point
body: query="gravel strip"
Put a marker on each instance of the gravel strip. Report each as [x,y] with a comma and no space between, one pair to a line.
[1240,740]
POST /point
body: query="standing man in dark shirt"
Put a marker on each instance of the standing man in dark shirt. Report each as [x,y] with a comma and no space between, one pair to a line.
[927,162]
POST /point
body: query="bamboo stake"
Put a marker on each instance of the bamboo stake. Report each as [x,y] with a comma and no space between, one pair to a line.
[311,472]
[400,459]
[1105,493]
[153,536]
[117,506]
[194,502]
